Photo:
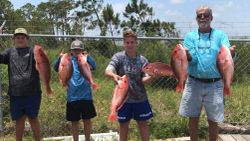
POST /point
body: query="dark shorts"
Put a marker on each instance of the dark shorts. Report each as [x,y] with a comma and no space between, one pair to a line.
[81,109]
[137,111]
[24,105]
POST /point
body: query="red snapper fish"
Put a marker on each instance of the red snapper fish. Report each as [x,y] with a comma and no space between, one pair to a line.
[179,65]
[65,69]
[225,65]
[85,70]
[119,97]
[43,67]
[158,68]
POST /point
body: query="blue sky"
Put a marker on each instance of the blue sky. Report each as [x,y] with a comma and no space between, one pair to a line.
[229,15]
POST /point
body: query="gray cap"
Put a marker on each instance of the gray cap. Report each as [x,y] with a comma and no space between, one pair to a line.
[77,45]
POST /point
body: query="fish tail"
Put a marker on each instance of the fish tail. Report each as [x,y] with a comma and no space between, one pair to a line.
[49,90]
[112,117]
[65,86]
[179,88]
[227,91]
[95,86]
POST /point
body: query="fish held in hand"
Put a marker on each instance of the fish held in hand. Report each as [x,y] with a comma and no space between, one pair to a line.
[43,67]
[158,69]
[85,70]
[179,65]
[65,69]
[225,65]
[120,96]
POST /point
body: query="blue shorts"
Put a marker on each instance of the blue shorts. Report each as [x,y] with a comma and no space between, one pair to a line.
[24,105]
[137,111]
[197,94]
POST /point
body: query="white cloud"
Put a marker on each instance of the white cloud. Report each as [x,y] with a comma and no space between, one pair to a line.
[177,1]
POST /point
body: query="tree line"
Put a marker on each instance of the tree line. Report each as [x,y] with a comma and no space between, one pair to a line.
[76,17]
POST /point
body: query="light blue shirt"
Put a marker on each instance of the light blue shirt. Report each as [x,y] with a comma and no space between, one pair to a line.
[78,87]
[204,48]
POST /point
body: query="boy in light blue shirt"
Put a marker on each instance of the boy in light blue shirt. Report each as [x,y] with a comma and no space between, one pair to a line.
[79,94]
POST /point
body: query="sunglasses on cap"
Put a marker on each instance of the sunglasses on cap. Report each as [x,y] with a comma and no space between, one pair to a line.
[205,15]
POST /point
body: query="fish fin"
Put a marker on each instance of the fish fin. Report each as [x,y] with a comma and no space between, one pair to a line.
[62,52]
[227,91]
[49,90]
[95,86]
[65,86]
[112,117]
[125,99]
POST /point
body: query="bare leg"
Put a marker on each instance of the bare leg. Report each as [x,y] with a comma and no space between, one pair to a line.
[124,131]
[193,128]
[75,128]
[144,130]
[35,126]
[213,130]
[20,128]
[87,128]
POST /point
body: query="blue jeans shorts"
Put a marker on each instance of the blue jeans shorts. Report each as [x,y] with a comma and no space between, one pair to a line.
[24,105]
[197,94]
[138,111]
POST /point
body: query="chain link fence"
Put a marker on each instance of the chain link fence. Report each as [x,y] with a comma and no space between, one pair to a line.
[161,92]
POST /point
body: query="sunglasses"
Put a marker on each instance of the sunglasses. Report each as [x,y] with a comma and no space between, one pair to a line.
[205,15]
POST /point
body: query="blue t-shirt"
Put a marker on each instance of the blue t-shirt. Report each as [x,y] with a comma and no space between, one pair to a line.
[204,48]
[132,67]
[79,88]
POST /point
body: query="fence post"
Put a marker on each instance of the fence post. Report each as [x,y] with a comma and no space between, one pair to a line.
[1,110]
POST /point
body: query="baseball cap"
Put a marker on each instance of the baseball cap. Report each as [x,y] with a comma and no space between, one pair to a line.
[77,45]
[21,31]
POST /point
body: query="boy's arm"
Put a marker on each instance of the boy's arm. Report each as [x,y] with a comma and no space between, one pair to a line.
[111,72]
[4,57]
[57,63]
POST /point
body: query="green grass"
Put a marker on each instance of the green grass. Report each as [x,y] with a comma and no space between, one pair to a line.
[165,103]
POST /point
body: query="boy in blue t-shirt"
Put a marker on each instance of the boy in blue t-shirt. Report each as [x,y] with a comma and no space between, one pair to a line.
[79,94]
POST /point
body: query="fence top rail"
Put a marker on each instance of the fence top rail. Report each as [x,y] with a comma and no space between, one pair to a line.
[113,37]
